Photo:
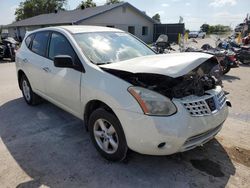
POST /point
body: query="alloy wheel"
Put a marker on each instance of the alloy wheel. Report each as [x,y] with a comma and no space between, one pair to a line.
[106,136]
[26,90]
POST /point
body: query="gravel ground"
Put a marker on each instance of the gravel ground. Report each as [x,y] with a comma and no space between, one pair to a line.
[44,146]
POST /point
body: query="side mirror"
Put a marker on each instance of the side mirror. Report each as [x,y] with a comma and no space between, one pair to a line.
[63,61]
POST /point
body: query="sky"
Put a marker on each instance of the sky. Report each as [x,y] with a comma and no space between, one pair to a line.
[194,12]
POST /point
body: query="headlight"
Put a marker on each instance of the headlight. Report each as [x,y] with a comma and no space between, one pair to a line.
[152,103]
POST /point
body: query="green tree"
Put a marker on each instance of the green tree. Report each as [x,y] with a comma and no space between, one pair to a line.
[109,2]
[211,29]
[157,17]
[86,4]
[204,28]
[218,29]
[30,8]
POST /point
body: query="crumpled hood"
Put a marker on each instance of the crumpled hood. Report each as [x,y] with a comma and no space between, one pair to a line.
[173,65]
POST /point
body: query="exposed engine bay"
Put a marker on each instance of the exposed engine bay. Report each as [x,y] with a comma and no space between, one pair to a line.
[204,77]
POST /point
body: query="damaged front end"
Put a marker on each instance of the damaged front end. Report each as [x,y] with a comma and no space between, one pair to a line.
[199,80]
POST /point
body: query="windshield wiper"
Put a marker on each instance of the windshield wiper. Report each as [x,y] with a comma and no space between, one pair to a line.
[103,63]
[92,61]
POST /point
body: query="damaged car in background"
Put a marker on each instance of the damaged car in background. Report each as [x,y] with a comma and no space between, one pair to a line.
[128,96]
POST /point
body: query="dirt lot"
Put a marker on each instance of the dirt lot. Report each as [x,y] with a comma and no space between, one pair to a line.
[44,146]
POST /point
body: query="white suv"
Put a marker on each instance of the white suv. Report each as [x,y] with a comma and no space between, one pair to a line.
[127,95]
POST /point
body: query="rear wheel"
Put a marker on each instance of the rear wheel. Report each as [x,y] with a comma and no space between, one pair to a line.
[29,96]
[107,135]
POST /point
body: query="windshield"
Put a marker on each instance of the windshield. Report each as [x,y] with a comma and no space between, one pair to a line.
[111,47]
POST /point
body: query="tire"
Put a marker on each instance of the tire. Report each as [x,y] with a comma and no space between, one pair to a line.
[29,96]
[107,135]
[225,69]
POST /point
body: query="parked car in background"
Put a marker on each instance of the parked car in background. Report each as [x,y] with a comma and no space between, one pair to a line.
[127,95]
[246,40]
[239,27]
[202,34]
[162,46]
[8,47]
[242,52]
[196,34]
[4,34]
[193,34]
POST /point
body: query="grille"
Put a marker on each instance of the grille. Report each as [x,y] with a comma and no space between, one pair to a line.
[221,97]
[210,102]
[197,108]
[206,106]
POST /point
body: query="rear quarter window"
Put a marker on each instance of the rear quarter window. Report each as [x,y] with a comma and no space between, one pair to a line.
[28,40]
[39,43]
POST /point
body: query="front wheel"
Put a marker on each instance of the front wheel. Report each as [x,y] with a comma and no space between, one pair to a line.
[107,135]
[225,67]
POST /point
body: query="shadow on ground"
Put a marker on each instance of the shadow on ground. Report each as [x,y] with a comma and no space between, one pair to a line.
[230,78]
[245,65]
[54,149]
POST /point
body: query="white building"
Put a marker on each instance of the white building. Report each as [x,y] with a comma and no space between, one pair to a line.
[123,16]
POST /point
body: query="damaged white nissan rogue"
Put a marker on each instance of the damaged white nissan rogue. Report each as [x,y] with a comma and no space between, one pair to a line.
[127,95]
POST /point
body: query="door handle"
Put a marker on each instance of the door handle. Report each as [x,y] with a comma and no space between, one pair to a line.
[46,69]
[25,60]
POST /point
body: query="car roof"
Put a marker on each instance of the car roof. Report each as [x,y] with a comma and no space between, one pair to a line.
[77,29]
[88,29]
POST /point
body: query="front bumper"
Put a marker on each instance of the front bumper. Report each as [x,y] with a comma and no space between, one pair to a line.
[180,132]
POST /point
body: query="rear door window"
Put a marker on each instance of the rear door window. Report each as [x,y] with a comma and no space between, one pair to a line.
[39,44]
